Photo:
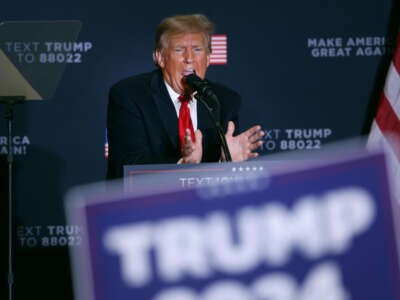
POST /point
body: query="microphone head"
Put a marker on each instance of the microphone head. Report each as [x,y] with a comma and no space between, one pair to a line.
[201,86]
[193,81]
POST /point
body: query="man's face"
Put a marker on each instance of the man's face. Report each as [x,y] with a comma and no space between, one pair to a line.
[184,54]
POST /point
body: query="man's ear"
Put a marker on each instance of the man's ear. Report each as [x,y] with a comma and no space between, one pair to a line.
[208,59]
[159,58]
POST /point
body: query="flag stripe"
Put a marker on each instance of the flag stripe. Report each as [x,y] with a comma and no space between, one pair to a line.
[386,118]
[392,88]
[219,49]
[388,124]
[385,130]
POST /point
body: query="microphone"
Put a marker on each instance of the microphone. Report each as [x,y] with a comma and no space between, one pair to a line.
[201,86]
[204,91]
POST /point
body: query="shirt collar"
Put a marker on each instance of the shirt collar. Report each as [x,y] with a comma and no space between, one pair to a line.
[174,95]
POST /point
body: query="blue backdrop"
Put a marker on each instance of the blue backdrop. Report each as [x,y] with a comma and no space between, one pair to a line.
[309,73]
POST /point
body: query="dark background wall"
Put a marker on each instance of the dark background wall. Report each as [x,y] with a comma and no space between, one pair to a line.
[275,61]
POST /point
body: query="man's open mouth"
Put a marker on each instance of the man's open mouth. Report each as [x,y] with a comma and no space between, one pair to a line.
[188,72]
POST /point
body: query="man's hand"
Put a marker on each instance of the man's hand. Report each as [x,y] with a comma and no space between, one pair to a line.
[192,152]
[242,146]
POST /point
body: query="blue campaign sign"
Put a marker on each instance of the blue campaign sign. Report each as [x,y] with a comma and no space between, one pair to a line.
[325,232]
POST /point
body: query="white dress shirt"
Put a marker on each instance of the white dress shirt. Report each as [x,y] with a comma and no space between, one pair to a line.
[177,104]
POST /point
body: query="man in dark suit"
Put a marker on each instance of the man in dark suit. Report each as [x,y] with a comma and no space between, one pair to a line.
[145,112]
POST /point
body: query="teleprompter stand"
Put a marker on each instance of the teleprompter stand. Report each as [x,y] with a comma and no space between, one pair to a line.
[9,102]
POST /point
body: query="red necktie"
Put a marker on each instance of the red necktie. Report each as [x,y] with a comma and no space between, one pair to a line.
[185,121]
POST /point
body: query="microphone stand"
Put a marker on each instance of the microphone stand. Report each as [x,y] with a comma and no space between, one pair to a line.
[10,101]
[200,97]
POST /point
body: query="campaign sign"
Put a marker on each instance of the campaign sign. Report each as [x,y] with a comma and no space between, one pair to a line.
[325,232]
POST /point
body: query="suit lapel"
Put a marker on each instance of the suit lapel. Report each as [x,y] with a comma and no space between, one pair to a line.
[165,107]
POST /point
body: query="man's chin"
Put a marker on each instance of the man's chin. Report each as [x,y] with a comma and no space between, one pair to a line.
[188,91]
[186,88]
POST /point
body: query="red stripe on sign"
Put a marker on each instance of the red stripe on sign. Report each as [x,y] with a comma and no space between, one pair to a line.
[388,121]
[396,57]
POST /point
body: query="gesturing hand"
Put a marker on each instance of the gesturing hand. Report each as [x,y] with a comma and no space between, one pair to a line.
[242,146]
[192,152]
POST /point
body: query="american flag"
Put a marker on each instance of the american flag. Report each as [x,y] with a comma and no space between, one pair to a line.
[106,146]
[219,47]
[385,129]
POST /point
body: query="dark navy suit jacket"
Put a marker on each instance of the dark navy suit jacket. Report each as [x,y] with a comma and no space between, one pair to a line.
[142,124]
